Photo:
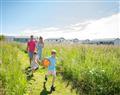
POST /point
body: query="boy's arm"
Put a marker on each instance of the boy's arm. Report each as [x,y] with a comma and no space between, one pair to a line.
[36,60]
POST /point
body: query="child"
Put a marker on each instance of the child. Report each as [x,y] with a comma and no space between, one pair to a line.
[52,68]
[34,63]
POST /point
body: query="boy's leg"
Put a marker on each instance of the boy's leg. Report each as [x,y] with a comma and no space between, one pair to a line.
[53,81]
[46,76]
[33,70]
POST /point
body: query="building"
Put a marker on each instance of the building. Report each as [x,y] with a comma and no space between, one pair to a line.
[117,41]
[21,39]
[106,41]
[75,40]
[110,41]
[9,38]
[87,41]
[61,40]
[54,40]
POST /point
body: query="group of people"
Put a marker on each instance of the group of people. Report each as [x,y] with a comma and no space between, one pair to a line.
[34,49]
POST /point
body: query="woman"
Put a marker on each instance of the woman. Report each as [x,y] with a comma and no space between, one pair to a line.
[40,46]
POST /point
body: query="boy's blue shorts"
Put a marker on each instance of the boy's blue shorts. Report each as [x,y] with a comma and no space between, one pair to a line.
[31,54]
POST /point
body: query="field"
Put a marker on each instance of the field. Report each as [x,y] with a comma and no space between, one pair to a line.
[81,70]
[12,78]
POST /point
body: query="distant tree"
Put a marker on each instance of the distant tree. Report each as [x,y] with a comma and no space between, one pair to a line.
[2,37]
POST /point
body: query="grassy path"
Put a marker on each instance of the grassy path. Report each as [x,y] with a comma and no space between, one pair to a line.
[35,84]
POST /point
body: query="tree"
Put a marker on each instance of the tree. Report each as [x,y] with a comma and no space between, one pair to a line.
[2,37]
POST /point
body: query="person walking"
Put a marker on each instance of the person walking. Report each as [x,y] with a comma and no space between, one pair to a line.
[40,46]
[31,44]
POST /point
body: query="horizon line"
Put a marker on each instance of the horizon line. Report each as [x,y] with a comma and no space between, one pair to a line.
[53,1]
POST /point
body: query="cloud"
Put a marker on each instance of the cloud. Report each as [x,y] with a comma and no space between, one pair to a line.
[107,27]
[104,28]
[50,29]
[79,26]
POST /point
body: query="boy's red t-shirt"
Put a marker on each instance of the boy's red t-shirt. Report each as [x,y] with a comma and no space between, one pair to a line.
[31,45]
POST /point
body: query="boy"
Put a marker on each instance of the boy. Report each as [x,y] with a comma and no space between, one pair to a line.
[52,69]
[34,62]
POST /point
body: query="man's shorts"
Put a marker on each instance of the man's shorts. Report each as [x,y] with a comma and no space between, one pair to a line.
[31,54]
[52,73]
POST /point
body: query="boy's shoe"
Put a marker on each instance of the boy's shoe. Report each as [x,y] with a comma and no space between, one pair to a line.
[46,78]
[52,88]
[31,74]
[36,68]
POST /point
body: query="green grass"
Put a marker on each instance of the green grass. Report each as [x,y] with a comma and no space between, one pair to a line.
[85,69]
[35,86]
[12,78]
[92,69]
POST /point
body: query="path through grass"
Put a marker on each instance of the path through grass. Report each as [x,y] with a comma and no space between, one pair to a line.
[35,84]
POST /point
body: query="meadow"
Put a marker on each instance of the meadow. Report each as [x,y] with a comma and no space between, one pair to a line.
[12,78]
[89,69]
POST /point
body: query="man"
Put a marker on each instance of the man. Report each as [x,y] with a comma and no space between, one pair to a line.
[31,47]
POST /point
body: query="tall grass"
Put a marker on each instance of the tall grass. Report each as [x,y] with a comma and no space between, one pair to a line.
[11,75]
[92,70]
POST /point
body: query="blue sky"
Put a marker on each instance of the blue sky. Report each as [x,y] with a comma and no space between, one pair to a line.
[18,15]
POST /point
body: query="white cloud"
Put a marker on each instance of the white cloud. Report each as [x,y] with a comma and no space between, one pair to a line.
[79,26]
[107,27]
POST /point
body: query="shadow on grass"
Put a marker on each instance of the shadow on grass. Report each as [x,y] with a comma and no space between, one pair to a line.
[44,91]
[68,83]
[73,85]
[29,73]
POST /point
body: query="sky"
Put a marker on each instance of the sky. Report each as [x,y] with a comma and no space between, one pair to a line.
[82,19]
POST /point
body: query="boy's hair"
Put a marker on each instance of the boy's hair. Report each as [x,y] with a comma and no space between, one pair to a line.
[35,53]
[53,51]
